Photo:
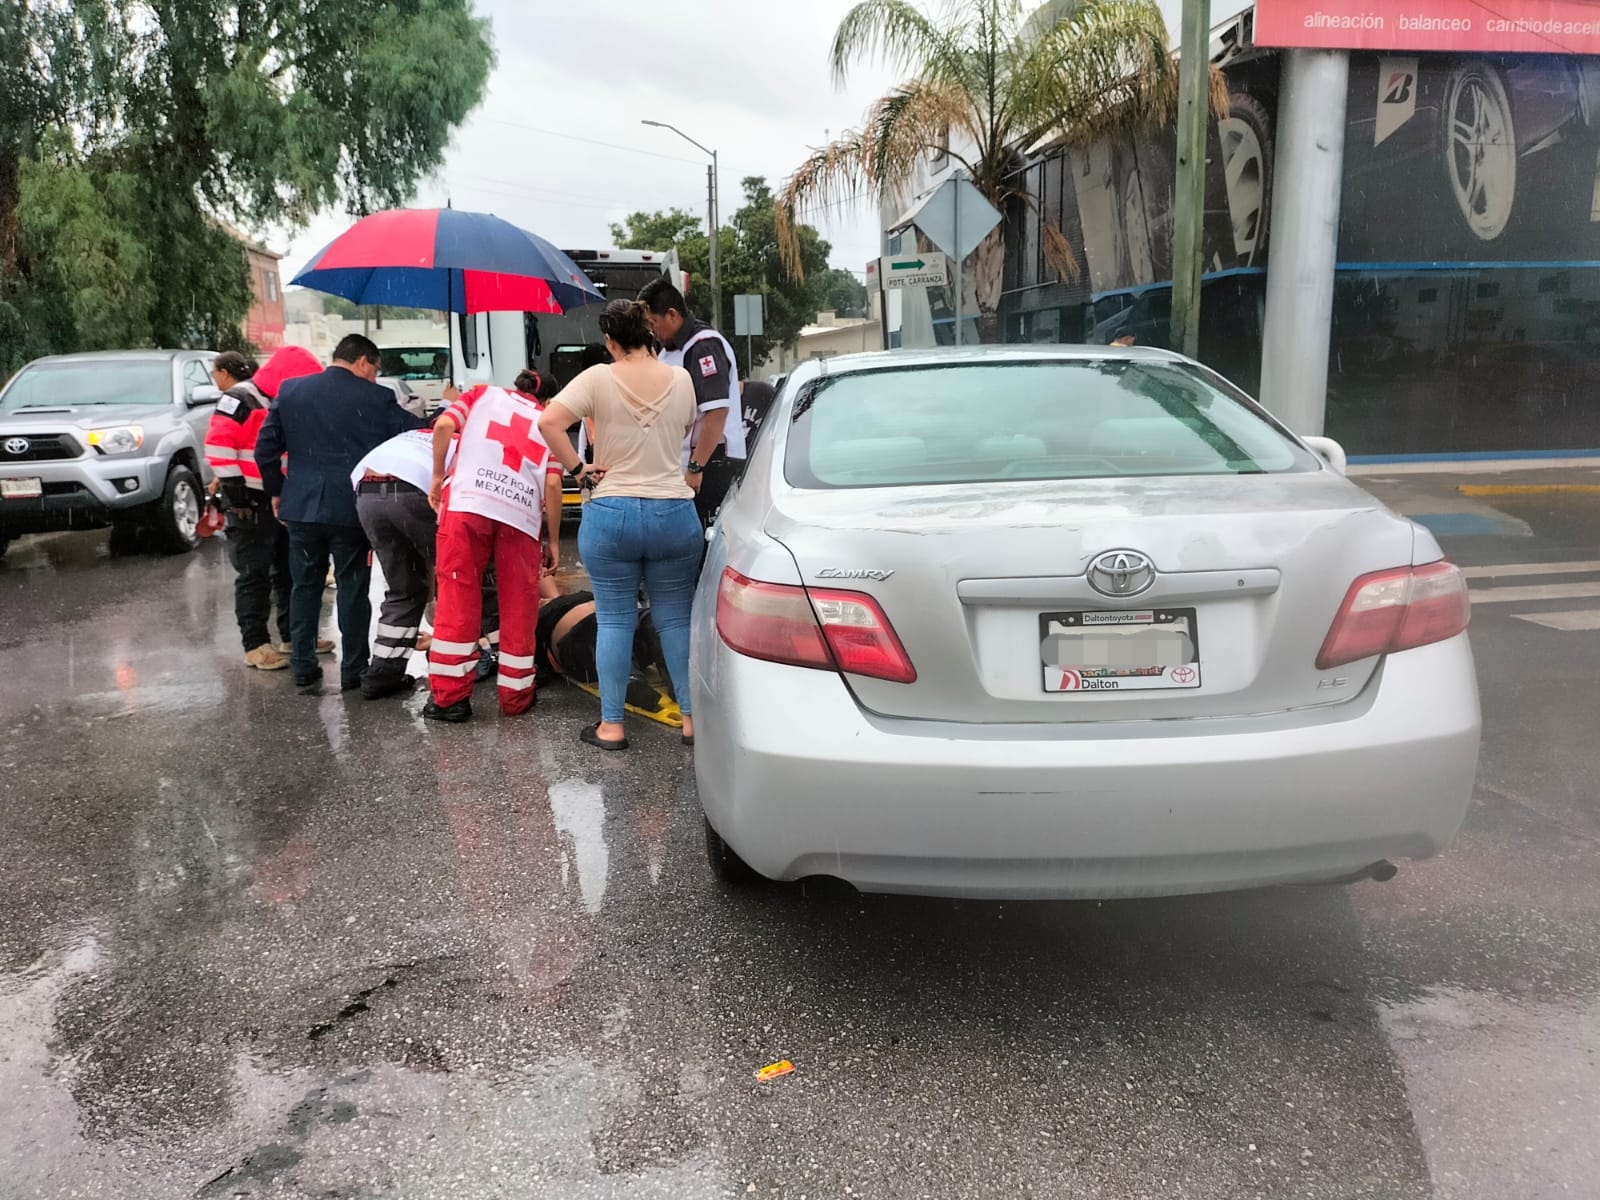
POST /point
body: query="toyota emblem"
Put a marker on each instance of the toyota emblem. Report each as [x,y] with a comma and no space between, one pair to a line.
[16,446]
[1121,573]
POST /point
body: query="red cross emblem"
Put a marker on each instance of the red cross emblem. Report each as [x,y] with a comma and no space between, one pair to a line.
[516,441]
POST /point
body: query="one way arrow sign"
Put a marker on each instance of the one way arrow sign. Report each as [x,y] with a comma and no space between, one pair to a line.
[923,271]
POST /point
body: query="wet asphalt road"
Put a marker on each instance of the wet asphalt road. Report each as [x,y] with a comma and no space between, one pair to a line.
[259,944]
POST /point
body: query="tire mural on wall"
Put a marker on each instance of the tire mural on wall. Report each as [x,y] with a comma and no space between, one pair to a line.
[1480,153]
[1245,136]
[1466,306]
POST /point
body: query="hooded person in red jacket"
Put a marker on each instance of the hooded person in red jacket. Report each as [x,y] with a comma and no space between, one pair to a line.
[258,544]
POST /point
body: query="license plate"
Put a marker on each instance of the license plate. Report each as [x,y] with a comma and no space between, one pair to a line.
[1129,651]
[21,489]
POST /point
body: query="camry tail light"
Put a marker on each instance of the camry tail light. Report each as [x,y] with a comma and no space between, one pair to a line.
[820,628]
[1401,609]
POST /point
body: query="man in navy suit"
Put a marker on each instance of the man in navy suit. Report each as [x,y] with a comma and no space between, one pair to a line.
[327,424]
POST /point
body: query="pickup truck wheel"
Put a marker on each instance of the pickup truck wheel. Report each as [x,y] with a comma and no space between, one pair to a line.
[176,517]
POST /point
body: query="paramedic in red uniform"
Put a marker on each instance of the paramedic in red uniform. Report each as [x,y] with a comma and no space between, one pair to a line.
[502,486]
[258,544]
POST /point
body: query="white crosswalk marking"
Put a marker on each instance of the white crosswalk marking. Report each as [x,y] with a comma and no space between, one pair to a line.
[1502,570]
[1545,591]
[1566,621]
[1583,618]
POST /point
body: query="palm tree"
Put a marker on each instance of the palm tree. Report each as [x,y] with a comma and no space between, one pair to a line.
[987,81]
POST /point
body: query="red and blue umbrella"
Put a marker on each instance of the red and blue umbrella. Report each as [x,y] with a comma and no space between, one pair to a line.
[450,261]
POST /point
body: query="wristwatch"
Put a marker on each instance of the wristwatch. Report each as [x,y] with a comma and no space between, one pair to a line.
[696,468]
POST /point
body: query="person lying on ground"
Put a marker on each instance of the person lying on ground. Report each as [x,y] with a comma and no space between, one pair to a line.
[565,649]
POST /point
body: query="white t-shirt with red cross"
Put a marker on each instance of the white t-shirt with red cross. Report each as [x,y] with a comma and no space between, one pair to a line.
[501,460]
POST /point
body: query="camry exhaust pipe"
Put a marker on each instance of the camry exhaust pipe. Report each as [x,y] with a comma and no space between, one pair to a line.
[1381,871]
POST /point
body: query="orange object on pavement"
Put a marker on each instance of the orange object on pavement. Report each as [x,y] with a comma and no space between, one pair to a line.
[773,1070]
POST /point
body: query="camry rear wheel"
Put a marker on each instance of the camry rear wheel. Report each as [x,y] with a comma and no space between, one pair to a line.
[730,870]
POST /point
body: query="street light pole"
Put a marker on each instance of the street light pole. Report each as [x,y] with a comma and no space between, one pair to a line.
[716,245]
[712,220]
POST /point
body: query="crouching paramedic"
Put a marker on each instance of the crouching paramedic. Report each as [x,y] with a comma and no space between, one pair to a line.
[502,487]
[392,503]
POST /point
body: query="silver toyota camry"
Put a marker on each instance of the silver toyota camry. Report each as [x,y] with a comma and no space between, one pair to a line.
[1068,621]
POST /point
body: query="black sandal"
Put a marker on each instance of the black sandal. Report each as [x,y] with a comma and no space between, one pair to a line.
[591,735]
[688,739]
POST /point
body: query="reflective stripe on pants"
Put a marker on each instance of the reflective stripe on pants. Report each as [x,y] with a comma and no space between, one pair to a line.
[467,543]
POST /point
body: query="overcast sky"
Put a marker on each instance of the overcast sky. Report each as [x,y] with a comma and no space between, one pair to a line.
[749,79]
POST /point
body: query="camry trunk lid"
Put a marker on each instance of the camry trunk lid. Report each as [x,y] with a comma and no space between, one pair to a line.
[991,592]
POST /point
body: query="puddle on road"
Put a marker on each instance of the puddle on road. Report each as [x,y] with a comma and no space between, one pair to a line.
[579,810]
[553,1126]
[387,1128]
[42,1139]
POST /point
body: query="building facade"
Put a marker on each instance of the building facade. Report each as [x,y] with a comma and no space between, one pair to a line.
[264,325]
[1467,289]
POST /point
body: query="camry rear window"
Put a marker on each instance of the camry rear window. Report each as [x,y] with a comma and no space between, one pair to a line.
[76,384]
[989,422]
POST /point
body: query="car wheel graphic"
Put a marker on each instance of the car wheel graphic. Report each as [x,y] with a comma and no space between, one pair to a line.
[1480,150]
[1141,262]
[1246,138]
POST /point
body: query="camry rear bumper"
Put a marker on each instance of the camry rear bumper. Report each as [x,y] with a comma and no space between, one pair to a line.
[799,781]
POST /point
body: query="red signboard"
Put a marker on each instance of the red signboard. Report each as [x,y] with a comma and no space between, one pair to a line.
[1481,26]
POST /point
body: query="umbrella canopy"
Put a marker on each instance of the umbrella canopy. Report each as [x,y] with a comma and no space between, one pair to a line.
[450,261]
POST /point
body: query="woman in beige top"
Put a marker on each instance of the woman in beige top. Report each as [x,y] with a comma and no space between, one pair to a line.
[641,522]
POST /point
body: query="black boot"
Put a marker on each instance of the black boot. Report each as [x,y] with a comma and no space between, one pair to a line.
[455,714]
[380,682]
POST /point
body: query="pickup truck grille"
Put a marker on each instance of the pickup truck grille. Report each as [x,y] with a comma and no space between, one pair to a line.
[37,447]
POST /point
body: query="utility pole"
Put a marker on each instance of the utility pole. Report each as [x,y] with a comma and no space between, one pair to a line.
[960,265]
[712,221]
[1194,91]
[716,244]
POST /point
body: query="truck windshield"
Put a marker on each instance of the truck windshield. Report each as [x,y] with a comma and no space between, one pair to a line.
[80,384]
[414,362]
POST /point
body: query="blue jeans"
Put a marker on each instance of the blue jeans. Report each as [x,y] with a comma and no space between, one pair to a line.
[622,540]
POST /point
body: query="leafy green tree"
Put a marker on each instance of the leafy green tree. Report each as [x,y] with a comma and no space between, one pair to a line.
[175,119]
[985,80]
[755,264]
[842,292]
[657,231]
[752,262]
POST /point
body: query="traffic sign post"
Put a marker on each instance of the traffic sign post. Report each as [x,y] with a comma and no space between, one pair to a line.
[956,217]
[749,312]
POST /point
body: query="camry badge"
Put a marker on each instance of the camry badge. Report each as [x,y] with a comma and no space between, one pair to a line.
[874,573]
